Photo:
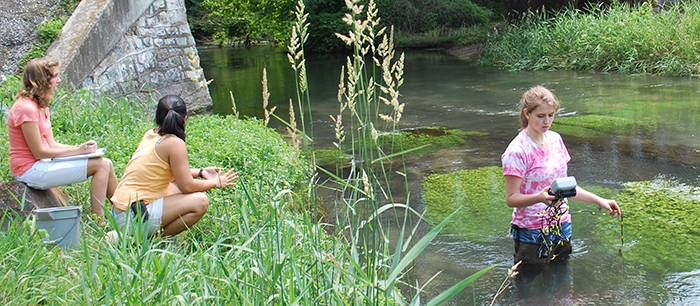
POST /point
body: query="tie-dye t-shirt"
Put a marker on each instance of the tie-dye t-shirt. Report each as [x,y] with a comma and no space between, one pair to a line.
[538,170]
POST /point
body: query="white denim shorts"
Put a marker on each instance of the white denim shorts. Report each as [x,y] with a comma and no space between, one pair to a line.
[155,217]
[46,175]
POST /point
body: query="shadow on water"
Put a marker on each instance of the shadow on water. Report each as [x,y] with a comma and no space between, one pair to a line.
[443,91]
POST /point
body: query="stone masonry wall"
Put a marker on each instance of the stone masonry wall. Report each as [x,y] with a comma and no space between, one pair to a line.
[156,56]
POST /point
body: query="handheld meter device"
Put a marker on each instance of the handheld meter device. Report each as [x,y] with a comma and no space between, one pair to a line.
[564,187]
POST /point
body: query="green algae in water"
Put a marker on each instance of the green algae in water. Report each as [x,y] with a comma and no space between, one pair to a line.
[661,226]
[326,157]
[480,196]
[436,137]
[593,126]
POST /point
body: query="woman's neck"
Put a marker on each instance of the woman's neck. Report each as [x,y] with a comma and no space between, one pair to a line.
[537,137]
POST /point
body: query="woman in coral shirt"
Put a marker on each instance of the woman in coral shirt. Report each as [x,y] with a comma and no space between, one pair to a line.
[31,139]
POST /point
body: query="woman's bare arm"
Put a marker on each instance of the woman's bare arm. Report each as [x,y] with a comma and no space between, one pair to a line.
[516,199]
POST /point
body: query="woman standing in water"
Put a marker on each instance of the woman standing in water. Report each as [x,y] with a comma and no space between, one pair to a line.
[532,161]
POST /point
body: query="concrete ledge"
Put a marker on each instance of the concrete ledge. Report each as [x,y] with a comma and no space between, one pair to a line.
[90,33]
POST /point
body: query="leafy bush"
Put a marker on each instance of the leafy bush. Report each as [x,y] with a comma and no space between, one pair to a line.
[417,16]
[325,19]
[47,32]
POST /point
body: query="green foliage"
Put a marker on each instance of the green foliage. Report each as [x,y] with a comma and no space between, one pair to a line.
[605,38]
[248,21]
[477,194]
[442,36]
[598,125]
[257,152]
[661,225]
[50,29]
[325,19]
[8,91]
[332,157]
[418,16]
[47,32]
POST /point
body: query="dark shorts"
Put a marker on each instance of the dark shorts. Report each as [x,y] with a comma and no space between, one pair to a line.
[535,251]
[534,254]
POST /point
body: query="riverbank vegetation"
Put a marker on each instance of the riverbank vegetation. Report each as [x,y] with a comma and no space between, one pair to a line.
[417,23]
[616,38]
[259,243]
[634,37]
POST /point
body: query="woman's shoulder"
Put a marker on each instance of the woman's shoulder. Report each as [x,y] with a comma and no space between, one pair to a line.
[518,141]
[24,109]
[25,103]
[516,149]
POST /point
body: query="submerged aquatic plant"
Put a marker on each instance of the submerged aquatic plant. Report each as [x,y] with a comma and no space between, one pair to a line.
[661,225]
[477,194]
[599,125]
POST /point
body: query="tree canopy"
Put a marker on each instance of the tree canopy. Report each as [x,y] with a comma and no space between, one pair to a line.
[229,21]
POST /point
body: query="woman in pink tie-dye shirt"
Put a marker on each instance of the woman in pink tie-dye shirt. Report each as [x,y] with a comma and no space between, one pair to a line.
[532,161]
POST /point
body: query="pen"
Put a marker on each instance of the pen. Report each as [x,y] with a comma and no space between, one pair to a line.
[86,147]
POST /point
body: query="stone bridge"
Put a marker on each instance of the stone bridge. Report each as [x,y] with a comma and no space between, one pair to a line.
[141,48]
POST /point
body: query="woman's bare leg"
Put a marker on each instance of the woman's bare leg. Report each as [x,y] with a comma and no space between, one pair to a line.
[103,183]
[181,211]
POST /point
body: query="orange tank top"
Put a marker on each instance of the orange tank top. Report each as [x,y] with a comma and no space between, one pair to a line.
[146,176]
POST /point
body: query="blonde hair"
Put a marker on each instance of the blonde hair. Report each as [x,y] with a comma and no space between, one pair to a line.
[36,80]
[533,98]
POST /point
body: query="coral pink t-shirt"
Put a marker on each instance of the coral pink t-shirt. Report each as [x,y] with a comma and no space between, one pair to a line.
[21,156]
[538,170]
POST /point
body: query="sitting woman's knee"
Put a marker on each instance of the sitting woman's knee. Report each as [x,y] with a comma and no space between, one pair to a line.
[107,164]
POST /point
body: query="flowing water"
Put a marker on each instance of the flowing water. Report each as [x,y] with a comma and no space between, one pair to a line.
[441,90]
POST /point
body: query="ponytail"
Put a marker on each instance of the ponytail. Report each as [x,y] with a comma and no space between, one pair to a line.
[170,116]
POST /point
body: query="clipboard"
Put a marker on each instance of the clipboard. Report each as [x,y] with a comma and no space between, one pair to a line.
[98,153]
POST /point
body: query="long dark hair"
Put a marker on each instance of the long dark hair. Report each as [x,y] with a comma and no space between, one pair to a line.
[36,80]
[170,116]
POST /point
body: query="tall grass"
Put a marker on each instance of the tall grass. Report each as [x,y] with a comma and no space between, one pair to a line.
[365,197]
[253,246]
[605,38]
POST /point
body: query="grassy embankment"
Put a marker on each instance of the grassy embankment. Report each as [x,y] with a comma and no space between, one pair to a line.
[252,247]
[618,38]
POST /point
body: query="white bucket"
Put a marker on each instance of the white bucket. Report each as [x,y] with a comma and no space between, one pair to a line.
[62,224]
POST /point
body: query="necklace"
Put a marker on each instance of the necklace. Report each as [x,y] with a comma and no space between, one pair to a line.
[539,144]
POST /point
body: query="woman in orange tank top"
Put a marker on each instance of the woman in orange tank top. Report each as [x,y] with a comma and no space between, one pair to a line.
[158,178]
